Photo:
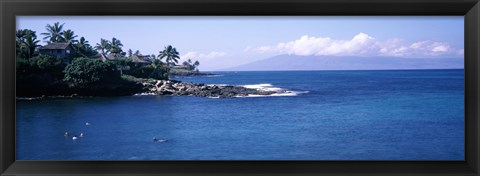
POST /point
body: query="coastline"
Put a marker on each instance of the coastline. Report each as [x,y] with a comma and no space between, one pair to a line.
[177,88]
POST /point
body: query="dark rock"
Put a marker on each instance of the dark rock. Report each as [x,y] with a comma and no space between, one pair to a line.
[179,88]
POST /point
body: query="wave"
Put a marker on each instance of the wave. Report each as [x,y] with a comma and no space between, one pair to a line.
[145,94]
[217,84]
[270,87]
[216,75]
[265,87]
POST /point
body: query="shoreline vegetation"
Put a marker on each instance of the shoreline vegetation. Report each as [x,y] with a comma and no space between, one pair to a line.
[71,67]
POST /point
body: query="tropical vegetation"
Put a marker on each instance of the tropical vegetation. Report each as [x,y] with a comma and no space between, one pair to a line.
[170,54]
[191,66]
[39,74]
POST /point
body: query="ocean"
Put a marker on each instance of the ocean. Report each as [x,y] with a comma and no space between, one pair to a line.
[326,115]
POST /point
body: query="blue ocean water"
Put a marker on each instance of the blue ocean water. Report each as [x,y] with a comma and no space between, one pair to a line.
[337,115]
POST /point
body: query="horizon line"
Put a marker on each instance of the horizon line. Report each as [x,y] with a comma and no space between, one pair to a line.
[406,69]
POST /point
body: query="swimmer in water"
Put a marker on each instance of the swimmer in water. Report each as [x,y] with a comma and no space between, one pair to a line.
[66,134]
[155,139]
[81,135]
[88,124]
[74,137]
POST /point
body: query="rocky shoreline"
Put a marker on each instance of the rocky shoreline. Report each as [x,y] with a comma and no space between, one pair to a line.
[178,88]
[169,87]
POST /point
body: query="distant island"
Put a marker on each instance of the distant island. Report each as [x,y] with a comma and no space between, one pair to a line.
[68,66]
[295,62]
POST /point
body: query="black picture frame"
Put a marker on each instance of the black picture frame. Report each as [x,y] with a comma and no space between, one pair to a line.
[470,9]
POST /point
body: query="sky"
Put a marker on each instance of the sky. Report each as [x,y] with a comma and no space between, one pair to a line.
[220,42]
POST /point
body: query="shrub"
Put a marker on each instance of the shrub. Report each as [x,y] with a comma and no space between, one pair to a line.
[85,72]
[39,75]
[148,71]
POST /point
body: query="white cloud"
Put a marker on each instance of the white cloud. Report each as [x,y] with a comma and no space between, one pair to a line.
[189,55]
[360,45]
[208,60]
[441,48]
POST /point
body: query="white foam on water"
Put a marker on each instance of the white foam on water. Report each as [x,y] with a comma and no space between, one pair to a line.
[289,93]
[213,75]
[145,94]
[270,87]
[264,87]
[257,86]
[217,85]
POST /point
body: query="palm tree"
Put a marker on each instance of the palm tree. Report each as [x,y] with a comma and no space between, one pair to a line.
[116,46]
[55,32]
[69,36]
[196,64]
[26,43]
[171,55]
[30,44]
[103,46]
[83,44]
[157,63]
[20,35]
[130,53]
[82,47]
[137,53]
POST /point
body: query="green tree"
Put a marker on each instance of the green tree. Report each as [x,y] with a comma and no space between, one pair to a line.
[26,43]
[83,48]
[40,75]
[41,65]
[116,46]
[130,53]
[85,72]
[123,64]
[196,63]
[104,46]
[69,36]
[170,54]
[51,65]
[55,32]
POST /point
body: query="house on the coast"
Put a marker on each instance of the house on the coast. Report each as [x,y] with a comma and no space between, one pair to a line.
[110,56]
[141,59]
[64,51]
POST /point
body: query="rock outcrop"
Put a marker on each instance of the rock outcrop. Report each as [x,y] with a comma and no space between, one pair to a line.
[178,88]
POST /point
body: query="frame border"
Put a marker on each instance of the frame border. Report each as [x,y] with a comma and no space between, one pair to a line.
[470,9]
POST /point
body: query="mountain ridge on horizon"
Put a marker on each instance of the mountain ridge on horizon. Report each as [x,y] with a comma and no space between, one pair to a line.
[287,62]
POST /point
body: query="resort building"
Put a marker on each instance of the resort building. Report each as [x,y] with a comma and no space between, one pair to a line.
[142,59]
[63,51]
[111,56]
